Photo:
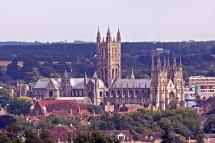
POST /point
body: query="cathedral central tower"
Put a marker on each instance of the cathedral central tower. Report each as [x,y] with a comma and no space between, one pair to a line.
[108,57]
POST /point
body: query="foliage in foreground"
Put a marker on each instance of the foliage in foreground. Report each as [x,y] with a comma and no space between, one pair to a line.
[183,122]
[94,137]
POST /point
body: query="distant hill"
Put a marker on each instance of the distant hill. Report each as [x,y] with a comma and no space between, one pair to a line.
[198,57]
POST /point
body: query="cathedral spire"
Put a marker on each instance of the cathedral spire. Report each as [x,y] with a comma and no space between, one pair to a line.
[95,75]
[164,65]
[108,31]
[180,62]
[168,64]
[153,64]
[85,75]
[174,64]
[180,65]
[118,38]
[85,78]
[108,67]
[132,74]
[65,73]
[98,36]
[108,38]
[98,30]
[159,64]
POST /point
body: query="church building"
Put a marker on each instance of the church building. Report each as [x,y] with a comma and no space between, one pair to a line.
[107,86]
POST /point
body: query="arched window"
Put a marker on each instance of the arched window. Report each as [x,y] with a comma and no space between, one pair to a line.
[113,93]
[124,93]
[130,93]
[107,93]
[136,93]
[112,73]
[118,93]
[50,93]
[100,94]
[116,72]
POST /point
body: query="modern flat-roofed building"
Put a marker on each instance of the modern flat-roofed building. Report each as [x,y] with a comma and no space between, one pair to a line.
[206,84]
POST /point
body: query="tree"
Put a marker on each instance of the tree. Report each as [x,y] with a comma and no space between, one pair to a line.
[170,138]
[94,108]
[45,137]
[26,99]
[6,137]
[19,107]
[13,70]
[30,137]
[11,135]
[47,71]
[94,137]
[5,99]
[209,126]
[33,75]
[6,120]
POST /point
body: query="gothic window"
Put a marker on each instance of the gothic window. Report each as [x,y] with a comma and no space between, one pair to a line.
[50,94]
[107,93]
[130,93]
[136,93]
[172,96]
[112,73]
[124,93]
[118,93]
[113,93]
[116,72]
[90,95]
[100,94]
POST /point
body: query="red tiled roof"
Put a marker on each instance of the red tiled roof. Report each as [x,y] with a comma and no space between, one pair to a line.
[49,102]
[60,107]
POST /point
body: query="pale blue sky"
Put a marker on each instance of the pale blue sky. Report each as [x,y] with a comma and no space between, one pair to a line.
[139,20]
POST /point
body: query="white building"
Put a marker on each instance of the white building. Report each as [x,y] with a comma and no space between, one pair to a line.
[206,85]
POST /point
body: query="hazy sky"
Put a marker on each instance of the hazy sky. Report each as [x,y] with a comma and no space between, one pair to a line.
[139,20]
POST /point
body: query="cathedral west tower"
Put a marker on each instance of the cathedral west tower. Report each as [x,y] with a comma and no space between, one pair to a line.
[108,51]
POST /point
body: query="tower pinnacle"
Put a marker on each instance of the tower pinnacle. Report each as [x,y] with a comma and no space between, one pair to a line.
[132,74]
[118,38]
[159,64]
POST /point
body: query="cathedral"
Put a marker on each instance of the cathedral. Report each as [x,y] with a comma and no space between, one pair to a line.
[108,87]
[166,82]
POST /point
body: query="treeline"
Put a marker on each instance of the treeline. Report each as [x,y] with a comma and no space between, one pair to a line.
[198,57]
[57,52]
